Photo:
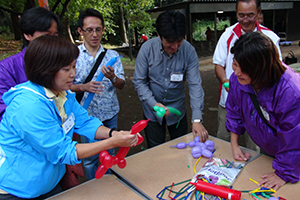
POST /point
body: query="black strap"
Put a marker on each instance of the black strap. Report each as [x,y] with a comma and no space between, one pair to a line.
[256,105]
[79,95]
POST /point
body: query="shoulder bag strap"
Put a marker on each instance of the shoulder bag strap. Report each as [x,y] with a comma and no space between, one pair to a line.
[93,71]
[96,65]
[256,105]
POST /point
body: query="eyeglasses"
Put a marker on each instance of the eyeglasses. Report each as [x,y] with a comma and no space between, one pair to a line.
[98,30]
[250,16]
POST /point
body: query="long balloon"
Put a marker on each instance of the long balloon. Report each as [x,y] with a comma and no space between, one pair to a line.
[100,77]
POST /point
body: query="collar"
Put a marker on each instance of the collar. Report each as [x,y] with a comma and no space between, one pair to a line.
[162,51]
[238,29]
[84,49]
[51,95]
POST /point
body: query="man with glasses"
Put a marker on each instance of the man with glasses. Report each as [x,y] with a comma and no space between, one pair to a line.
[104,104]
[162,66]
[247,12]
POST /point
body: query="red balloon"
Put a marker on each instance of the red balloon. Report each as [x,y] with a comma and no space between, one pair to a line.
[102,155]
[122,163]
[107,161]
[100,171]
[116,160]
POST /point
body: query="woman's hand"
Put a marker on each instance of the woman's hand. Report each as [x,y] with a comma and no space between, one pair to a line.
[239,155]
[236,150]
[271,180]
[124,138]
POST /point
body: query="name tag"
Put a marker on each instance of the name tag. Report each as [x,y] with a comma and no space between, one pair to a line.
[176,77]
[265,113]
[69,123]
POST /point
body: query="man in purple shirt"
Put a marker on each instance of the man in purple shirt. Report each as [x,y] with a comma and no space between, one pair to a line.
[35,22]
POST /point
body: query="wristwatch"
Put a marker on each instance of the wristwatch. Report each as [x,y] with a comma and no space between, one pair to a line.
[197,120]
[114,79]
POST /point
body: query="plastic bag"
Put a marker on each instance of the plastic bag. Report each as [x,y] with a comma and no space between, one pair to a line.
[220,171]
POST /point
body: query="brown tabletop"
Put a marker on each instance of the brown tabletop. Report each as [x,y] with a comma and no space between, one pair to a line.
[154,169]
[108,187]
[255,170]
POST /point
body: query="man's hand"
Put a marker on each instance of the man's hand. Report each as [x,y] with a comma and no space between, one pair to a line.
[198,129]
[166,109]
[93,87]
[108,72]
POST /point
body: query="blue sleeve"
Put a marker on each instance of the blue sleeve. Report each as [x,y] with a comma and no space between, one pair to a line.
[37,125]
[195,88]
[84,124]
[140,78]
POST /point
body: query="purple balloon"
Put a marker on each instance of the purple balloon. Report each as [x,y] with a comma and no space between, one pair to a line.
[206,153]
[201,145]
[180,145]
[191,143]
[196,150]
[196,155]
[210,145]
[197,139]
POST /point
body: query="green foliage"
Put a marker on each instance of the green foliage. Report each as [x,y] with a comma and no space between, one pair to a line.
[200,26]
[104,7]
[134,11]
[127,61]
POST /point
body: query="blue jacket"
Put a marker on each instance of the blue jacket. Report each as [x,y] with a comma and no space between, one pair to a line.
[281,104]
[33,145]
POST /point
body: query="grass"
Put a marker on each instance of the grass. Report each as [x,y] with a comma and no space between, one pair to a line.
[9,46]
[126,61]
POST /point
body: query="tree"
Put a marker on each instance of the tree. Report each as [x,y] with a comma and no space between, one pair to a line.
[115,12]
[134,13]
[17,7]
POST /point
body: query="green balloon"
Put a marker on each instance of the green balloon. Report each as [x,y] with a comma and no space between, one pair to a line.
[160,111]
[226,84]
[174,110]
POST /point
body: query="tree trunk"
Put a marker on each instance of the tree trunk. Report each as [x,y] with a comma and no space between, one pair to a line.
[16,26]
[8,19]
[122,26]
[66,29]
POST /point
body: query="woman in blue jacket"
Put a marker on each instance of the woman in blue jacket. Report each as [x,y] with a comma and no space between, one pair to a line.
[259,72]
[38,125]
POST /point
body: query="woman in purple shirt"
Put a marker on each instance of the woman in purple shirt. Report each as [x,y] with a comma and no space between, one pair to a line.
[258,71]
[35,22]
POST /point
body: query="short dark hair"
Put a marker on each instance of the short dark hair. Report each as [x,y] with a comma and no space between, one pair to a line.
[89,12]
[37,19]
[258,57]
[257,2]
[45,56]
[171,25]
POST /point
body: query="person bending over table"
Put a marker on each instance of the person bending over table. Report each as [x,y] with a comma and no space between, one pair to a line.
[258,71]
[41,116]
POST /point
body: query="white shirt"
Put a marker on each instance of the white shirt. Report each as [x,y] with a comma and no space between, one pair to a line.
[223,57]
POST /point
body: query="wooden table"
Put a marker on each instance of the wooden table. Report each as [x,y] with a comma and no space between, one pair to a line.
[154,169]
[149,172]
[108,187]
[254,170]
